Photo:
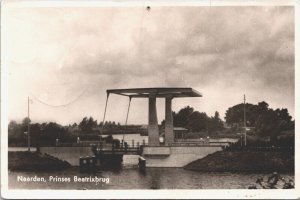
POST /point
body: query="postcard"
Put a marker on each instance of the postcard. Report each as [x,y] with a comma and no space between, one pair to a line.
[149,99]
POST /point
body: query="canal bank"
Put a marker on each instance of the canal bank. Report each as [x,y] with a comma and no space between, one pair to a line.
[33,161]
[220,161]
[245,161]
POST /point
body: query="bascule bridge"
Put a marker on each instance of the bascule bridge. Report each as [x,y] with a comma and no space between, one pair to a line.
[152,94]
[171,154]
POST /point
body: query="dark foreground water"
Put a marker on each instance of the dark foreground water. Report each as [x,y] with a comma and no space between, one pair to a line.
[131,178]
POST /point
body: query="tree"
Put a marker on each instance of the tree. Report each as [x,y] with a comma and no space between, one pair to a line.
[267,122]
[44,134]
[74,125]
[35,133]
[182,117]
[87,124]
[197,121]
[235,115]
[272,122]
[12,124]
[218,122]
[214,123]
[16,134]
[25,122]
[262,107]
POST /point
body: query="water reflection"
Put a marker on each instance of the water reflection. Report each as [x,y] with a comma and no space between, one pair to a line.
[155,180]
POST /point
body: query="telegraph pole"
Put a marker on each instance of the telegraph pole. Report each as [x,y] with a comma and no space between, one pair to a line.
[245,119]
[28,126]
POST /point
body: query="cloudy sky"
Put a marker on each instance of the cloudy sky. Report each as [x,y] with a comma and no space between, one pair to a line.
[71,55]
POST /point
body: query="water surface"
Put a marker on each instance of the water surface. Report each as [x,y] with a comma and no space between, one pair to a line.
[131,178]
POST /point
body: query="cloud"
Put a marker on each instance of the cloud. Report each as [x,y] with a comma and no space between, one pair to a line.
[232,49]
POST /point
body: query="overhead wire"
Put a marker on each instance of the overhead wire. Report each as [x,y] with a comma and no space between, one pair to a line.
[56,106]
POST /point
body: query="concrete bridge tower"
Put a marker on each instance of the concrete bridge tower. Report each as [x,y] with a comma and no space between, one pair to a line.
[152,94]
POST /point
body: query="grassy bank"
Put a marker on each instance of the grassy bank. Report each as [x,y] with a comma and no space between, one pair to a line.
[245,161]
[32,161]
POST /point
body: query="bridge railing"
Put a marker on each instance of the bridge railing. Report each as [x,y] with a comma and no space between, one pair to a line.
[198,143]
[138,145]
[77,144]
[100,149]
[130,144]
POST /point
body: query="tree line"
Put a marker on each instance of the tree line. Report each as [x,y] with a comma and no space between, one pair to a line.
[264,121]
[45,134]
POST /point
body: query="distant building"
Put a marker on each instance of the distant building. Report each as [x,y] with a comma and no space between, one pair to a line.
[180,133]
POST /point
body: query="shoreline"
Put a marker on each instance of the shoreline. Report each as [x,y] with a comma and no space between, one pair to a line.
[245,161]
[221,161]
[33,161]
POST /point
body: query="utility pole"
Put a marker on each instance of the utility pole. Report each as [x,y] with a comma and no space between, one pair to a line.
[28,126]
[245,120]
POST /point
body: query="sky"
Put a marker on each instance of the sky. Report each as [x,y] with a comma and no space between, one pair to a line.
[64,59]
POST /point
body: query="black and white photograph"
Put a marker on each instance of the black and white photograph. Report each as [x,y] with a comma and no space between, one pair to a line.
[149,99]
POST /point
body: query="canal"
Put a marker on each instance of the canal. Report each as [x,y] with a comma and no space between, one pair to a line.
[131,178]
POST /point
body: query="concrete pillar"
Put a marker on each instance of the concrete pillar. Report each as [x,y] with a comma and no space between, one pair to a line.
[153,132]
[169,133]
